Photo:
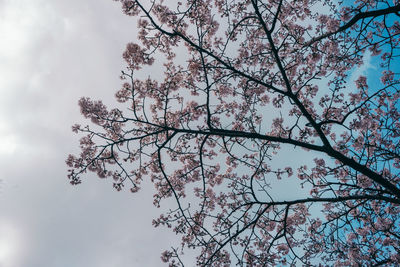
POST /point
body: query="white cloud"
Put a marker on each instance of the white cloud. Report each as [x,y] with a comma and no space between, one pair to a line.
[10,244]
[364,68]
[51,54]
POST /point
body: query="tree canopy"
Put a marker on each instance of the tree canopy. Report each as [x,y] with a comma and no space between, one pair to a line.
[215,90]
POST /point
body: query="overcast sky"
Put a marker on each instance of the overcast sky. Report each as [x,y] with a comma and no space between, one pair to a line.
[52,52]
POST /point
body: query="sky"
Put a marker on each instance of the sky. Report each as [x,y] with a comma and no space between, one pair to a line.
[52,52]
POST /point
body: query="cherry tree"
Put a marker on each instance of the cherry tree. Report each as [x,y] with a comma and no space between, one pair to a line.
[215,90]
